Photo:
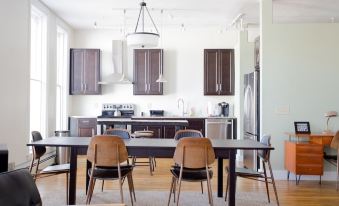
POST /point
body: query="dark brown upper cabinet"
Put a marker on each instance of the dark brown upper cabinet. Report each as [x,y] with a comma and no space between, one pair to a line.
[147,65]
[85,71]
[218,72]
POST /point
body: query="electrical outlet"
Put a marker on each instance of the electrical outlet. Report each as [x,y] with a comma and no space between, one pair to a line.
[11,166]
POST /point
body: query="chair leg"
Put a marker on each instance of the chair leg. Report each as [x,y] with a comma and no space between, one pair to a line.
[36,169]
[121,193]
[180,178]
[171,190]
[133,190]
[67,188]
[273,182]
[174,188]
[90,189]
[202,188]
[266,183]
[150,165]
[130,187]
[31,166]
[227,181]
[102,185]
[209,187]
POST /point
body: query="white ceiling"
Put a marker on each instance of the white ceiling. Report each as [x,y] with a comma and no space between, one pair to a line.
[81,14]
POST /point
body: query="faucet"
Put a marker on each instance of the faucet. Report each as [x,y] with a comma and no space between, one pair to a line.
[183,106]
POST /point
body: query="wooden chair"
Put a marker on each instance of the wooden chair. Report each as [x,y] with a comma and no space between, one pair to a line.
[187,133]
[123,134]
[151,160]
[38,152]
[192,157]
[107,153]
[259,176]
[333,159]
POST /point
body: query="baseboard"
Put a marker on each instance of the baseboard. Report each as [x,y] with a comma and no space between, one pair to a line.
[327,176]
[46,160]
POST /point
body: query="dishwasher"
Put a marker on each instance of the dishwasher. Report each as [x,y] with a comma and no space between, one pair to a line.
[218,128]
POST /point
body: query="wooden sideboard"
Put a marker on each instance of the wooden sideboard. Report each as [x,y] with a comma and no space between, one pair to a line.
[305,157]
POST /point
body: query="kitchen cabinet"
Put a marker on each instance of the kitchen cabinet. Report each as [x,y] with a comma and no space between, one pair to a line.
[304,158]
[85,71]
[147,66]
[196,124]
[218,72]
[168,132]
[83,127]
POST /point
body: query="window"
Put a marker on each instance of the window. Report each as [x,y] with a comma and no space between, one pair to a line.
[38,71]
[61,118]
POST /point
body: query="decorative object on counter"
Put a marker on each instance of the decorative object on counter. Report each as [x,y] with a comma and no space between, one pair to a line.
[302,127]
[329,115]
[141,38]
[3,158]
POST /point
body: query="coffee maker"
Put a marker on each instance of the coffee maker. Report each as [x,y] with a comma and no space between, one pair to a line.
[224,107]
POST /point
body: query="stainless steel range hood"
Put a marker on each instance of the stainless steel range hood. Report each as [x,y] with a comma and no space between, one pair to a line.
[118,65]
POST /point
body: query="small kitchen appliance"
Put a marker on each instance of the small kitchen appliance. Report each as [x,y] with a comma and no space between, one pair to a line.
[117,110]
[224,108]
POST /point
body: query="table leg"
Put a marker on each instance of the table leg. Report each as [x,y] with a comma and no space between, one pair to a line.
[232,180]
[220,177]
[73,176]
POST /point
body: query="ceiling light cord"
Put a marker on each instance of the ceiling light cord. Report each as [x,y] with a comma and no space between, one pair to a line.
[142,10]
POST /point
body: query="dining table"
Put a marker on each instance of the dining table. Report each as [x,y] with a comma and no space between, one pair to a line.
[160,148]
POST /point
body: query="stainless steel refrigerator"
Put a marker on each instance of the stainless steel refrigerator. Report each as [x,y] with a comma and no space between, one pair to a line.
[251,116]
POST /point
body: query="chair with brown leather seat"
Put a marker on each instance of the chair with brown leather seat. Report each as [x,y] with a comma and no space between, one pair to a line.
[38,152]
[333,159]
[255,175]
[108,155]
[192,157]
[187,133]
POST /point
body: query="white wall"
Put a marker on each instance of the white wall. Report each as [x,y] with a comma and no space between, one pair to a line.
[183,68]
[14,78]
[300,70]
[15,75]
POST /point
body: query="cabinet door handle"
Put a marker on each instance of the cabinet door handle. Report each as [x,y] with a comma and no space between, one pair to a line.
[85,87]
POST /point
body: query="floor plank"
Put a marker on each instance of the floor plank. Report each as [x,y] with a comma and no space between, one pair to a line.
[308,193]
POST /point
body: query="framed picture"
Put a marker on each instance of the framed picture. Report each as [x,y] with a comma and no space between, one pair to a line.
[302,127]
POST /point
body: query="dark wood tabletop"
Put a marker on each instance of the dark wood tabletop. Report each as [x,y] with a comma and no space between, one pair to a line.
[154,142]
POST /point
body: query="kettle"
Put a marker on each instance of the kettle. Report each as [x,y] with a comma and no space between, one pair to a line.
[224,107]
[117,113]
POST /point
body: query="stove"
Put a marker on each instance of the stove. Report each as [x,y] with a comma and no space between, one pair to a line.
[109,110]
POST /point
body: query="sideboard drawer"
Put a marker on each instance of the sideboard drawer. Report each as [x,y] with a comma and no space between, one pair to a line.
[309,148]
[309,169]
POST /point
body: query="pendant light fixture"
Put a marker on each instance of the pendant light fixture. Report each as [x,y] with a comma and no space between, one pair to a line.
[161,78]
[141,38]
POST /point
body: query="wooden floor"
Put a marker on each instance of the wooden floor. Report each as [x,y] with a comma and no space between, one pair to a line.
[308,193]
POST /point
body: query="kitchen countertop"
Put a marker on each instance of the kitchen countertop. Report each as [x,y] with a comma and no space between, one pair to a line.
[180,117]
[143,122]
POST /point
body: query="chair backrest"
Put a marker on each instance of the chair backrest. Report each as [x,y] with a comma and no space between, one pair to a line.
[194,152]
[107,150]
[265,154]
[122,133]
[18,188]
[187,133]
[38,150]
[335,141]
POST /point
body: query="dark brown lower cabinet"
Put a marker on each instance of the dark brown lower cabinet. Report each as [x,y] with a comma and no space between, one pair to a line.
[197,124]
[83,127]
[168,132]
